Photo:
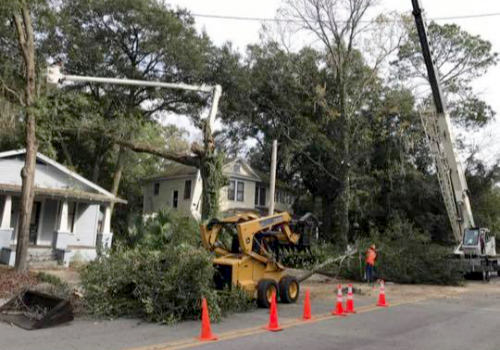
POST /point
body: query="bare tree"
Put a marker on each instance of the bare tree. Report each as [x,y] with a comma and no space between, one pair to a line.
[343,30]
[24,28]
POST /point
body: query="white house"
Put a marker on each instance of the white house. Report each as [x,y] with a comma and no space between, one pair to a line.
[180,188]
[70,217]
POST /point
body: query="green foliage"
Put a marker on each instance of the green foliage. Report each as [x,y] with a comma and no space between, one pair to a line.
[235,300]
[307,259]
[52,279]
[213,180]
[166,228]
[162,286]
[461,58]
[406,255]
[57,287]
[484,194]
[160,273]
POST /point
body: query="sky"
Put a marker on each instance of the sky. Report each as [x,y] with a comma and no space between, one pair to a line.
[241,33]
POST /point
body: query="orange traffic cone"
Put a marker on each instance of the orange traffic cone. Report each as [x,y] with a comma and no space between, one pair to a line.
[206,330]
[381,296]
[307,306]
[349,307]
[339,310]
[273,325]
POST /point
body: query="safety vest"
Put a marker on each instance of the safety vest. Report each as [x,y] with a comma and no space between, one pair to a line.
[371,255]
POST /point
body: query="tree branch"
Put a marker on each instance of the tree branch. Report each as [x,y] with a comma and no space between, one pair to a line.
[179,157]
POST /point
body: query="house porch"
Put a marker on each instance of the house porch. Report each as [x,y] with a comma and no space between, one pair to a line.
[62,228]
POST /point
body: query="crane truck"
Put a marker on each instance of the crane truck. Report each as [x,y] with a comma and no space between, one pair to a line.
[476,250]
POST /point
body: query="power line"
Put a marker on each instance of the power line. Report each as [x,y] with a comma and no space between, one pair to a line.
[466,16]
[263,19]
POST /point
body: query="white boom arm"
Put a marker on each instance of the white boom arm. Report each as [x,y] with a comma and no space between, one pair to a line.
[450,174]
[55,77]
[438,128]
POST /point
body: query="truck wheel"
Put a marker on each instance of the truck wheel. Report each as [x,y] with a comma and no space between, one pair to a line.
[265,290]
[289,289]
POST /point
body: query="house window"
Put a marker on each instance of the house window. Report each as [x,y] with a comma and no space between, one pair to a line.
[175,199]
[236,191]
[260,196]
[237,168]
[187,189]
[156,189]
[240,195]
[231,190]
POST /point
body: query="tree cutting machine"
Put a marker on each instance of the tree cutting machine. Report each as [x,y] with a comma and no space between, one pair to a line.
[247,249]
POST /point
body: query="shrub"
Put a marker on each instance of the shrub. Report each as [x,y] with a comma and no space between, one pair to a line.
[307,259]
[163,228]
[406,255]
[160,273]
[163,286]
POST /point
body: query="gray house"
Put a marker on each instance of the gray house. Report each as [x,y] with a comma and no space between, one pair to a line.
[70,218]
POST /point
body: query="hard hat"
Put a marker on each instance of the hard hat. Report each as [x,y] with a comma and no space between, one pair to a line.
[373,246]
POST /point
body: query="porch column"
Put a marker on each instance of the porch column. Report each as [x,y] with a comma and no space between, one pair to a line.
[106,230]
[7,209]
[105,237]
[63,235]
[5,229]
[63,223]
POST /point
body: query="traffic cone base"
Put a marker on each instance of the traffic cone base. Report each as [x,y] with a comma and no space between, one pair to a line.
[339,310]
[381,298]
[273,329]
[206,330]
[382,302]
[350,307]
[273,325]
[209,338]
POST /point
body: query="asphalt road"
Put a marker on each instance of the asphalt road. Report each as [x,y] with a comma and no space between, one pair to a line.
[467,322]
[430,318]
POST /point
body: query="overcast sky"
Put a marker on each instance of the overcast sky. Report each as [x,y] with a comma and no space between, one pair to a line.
[241,33]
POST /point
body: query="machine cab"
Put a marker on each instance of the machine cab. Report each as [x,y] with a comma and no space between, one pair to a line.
[478,242]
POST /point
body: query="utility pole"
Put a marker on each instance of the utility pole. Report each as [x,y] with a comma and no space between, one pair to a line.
[272,181]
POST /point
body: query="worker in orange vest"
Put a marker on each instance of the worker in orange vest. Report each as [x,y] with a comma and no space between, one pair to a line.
[371,256]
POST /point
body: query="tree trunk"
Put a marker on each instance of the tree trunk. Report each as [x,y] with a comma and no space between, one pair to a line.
[209,163]
[211,175]
[345,194]
[99,158]
[327,218]
[67,154]
[120,164]
[26,42]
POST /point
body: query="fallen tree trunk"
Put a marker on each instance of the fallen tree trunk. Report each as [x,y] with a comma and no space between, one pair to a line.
[320,267]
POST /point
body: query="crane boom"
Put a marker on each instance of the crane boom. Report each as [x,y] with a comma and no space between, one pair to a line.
[441,139]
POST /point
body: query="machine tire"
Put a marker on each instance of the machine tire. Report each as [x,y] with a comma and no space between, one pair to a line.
[289,289]
[264,292]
